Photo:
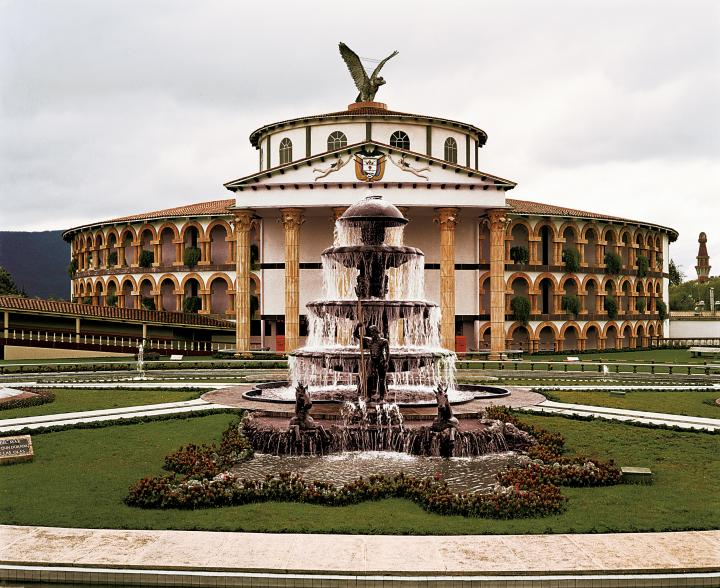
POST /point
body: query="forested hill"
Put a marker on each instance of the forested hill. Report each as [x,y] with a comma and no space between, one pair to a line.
[37,261]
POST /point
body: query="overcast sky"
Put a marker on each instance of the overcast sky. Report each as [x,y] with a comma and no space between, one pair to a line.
[109,108]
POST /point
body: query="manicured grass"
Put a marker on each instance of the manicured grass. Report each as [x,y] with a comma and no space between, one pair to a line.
[686,402]
[79,479]
[681,356]
[80,399]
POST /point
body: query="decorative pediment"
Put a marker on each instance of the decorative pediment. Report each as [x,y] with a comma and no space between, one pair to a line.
[370,163]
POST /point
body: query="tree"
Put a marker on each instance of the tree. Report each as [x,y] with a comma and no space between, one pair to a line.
[676,275]
[8,285]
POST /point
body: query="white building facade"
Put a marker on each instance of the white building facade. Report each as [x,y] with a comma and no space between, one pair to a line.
[586,280]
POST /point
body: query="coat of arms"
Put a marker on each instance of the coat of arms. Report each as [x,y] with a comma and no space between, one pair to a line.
[370,168]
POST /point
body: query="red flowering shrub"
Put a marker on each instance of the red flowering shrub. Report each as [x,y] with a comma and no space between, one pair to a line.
[206,461]
[530,490]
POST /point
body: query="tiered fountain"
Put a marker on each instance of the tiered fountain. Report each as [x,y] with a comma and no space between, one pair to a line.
[374,346]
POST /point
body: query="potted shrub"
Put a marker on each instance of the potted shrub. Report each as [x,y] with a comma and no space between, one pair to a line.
[191,256]
[520,306]
[520,254]
[571,305]
[146,258]
[643,265]
[148,303]
[571,258]
[72,267]
[87,300]
[111,300]
[192,304]
[611,307]
[112,258]
[613,264]
[641,305]
[661,309]
[659,261]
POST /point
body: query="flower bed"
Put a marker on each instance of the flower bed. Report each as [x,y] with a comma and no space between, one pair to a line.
[40,397]
[200,479]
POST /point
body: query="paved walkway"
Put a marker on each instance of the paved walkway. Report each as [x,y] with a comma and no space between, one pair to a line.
[442,557]
[619,414]
[110,414]
[231,396]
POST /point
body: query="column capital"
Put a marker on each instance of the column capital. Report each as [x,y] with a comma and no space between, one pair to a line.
[292,218]
[447,217]
[243,219]
[338,211]
[497,219]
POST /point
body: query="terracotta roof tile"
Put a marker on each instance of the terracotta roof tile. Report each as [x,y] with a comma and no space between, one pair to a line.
[542,209]
[110,313]
[211,208]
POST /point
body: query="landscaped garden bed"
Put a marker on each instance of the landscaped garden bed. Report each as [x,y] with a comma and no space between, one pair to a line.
[80,478]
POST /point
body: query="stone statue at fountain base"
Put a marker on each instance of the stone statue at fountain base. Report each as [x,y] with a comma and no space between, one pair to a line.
[445,423]
[302,421]
[376,378]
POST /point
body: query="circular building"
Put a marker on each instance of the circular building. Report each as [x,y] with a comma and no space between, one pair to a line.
[508,274]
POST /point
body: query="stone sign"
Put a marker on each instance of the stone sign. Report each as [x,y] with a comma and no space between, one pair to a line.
[15,449]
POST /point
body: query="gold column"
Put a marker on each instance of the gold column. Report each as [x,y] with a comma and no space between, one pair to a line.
[447,219]
[497,222]
[291,220]
[243,225]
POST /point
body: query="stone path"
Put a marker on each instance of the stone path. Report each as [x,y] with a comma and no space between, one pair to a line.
[618,414]
[110,414]
[230,396]
[397,560]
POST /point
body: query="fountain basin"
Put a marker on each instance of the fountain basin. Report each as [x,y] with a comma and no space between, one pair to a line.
[463,474]
[403,396]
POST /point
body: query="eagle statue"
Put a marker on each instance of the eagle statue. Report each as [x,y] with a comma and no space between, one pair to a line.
[368,86]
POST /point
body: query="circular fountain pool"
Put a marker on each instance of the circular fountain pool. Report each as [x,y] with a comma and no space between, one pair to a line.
[397,394]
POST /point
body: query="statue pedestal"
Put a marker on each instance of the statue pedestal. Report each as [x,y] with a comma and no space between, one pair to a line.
[359,105]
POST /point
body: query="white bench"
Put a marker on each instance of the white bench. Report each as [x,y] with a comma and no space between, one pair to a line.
[700,351]
[176,358]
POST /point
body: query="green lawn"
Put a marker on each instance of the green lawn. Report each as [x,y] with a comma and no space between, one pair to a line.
[657,355]
[686,402]
[80,399]
[79,478]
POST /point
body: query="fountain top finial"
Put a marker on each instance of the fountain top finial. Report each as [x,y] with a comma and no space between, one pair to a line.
[373,209]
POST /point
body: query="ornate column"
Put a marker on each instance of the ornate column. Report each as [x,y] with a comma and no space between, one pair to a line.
[243,225]
[204,244]
[447,219]
[291,220]
[497,221]
[157,253]
[533,243]
[179,248]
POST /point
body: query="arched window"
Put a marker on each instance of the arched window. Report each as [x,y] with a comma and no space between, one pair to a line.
[400,140]
[336,140]
[285,151]
[450,150]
